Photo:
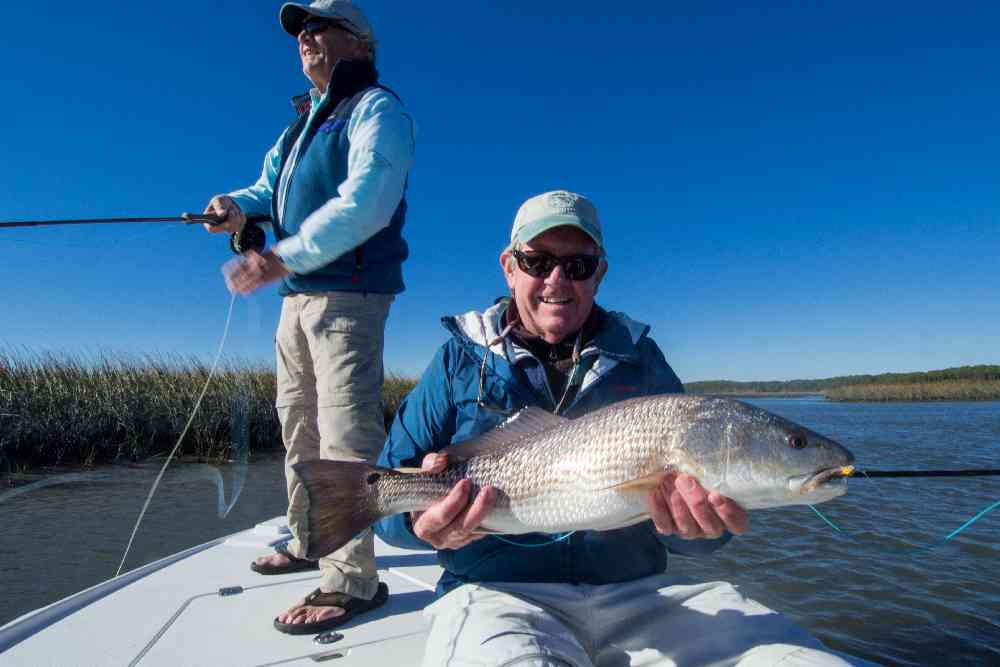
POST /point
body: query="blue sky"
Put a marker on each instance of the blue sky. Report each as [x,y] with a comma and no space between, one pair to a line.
[787,191]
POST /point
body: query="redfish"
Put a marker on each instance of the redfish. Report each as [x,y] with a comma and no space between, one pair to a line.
[554,474]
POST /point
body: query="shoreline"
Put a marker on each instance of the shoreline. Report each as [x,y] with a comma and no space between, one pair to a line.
[59,411]
[849,399]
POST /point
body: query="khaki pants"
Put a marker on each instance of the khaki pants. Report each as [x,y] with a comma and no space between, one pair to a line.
[658,620]
[329,351]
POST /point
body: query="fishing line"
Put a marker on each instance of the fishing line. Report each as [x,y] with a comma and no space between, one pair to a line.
[972,520]
[196,472]
[828,522]
[870,474]
[948,537]
[239,430]
[540,544]
[239,437]
[831,523]
[52,481]
[874,474]
[208,380]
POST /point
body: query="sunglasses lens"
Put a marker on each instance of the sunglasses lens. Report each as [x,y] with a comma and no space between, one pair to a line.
[312,26]
[543,266]
[534,265]
[580,267]
[575,267]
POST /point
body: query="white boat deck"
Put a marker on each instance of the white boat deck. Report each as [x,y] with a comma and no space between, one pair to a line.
[171,613]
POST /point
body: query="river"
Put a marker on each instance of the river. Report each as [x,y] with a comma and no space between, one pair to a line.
[887,588]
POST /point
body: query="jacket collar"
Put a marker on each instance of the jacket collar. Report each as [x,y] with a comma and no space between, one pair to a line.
[618,338]
[347,78]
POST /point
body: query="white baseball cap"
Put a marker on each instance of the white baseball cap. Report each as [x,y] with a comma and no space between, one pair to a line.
[345,12]
[558,208]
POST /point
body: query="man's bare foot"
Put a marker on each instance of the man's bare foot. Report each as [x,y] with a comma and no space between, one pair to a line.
[273,560]
[282,562]
[301,612]
[320,611]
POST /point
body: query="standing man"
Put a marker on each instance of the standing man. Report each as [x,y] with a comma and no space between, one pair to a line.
[334,186]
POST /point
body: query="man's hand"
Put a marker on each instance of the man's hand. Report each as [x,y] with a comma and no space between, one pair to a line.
[232,215]
[679,505]
[251,271]
[448,523]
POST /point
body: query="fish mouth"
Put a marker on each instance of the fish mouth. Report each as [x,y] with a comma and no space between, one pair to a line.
[827,477]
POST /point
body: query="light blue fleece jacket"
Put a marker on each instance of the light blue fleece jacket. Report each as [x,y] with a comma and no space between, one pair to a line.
[382,136]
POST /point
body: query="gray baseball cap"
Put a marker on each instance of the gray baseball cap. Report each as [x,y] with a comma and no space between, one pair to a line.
[558,208]
[345,12]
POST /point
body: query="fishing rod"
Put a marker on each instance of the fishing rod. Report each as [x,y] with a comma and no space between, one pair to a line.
[861,474]
[251,237]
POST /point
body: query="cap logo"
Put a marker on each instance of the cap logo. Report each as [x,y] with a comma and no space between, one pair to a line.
[562,200]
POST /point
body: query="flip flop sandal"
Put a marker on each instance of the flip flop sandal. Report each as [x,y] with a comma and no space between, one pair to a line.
[351,605]
[295,564]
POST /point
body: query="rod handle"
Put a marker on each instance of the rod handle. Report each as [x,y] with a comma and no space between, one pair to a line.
[213,219]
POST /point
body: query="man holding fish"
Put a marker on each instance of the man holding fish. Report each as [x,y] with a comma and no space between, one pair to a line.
[593,596]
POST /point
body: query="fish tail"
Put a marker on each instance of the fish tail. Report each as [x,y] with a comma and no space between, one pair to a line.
[342,502]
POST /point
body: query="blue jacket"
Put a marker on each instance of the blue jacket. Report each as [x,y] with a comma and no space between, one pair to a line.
[335,184]
[443,409]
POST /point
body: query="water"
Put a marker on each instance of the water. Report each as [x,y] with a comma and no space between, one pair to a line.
[878,596]
[62,538]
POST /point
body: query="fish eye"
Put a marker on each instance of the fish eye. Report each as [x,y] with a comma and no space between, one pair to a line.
[797,441]
[372,478]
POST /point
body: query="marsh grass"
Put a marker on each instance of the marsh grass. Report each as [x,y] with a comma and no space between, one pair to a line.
[947,390]
[61,410]
[961,383]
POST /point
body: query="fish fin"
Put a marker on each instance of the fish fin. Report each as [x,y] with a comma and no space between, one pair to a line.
[527,422]
[340,502]
[409,471]
[644,483]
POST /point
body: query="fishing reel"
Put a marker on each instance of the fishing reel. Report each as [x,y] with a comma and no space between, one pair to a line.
[251,237]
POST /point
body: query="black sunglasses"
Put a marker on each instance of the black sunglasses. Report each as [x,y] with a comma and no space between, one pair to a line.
[540,264]
[315,25]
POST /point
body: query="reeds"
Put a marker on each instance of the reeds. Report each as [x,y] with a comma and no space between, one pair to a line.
[961,383]
[950,390]
[63,410]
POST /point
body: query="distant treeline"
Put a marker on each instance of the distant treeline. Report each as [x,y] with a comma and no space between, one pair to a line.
[961,383]
[61,410]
